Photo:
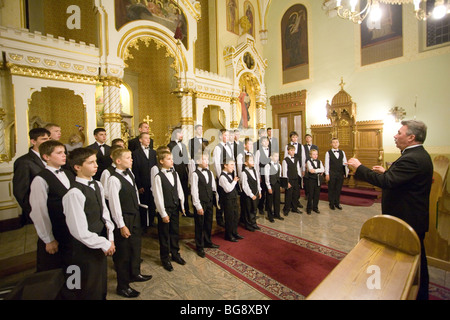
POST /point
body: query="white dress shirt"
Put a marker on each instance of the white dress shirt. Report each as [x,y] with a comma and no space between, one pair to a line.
[226,186]
[320,168]
[336,154]
[240,159]
[246,186]
[158,191]
[73,204]
[114,186]
[38,202]
[267,172]
[194,187]
[258,159]
[104,180]
[302,151]
[284,167]
[217,157]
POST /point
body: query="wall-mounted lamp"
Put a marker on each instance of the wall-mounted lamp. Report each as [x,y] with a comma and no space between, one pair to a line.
[398,113]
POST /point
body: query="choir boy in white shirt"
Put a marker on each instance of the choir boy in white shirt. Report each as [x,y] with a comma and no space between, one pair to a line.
[89,222]
[169,197]
[46,193]
[125,210]
[272,174]
[336,170]
[251,194]
[315,171]
[203,190]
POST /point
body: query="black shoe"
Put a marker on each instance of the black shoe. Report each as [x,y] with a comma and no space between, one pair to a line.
[179,260]
[279,217]
[308,211]
[167,265]
[251,229]
[286,213]
[141,278]
[338,206]
[300,205]
[128,293]
[232,239]
[212,245]
[316,210]
[331,207]
[271,220]
[239,237]
[201,253]
[296,211]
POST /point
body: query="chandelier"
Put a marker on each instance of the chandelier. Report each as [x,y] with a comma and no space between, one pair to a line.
[353,10]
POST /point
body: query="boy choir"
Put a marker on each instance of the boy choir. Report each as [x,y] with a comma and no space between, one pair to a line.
[72,217]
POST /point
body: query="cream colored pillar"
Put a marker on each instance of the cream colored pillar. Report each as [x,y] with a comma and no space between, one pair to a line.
[187,121]
[112,108]
[260,114]
[235,110]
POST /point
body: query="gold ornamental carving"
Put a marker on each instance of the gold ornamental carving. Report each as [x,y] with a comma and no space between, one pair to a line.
[50,74]
[111,81]
[112,117]
[187,121]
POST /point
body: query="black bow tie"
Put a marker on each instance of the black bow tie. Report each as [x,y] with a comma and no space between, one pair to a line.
[335,150]
[204,169]
[169,170]
[92,182]
[126,172]
[58,171]
[146,148]
[295,143]
[230,173]
[101,146]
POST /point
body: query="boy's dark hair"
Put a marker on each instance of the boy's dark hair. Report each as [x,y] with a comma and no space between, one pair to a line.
[293,133]
[97,130]
[38,132]
[247,157]
[79,155]
[114,142]
[161,155]
[246,140]
[48,147]
[143,134]
[114,147]
[290,147]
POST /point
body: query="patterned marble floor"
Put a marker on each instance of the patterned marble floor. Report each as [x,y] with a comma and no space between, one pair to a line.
[202,279]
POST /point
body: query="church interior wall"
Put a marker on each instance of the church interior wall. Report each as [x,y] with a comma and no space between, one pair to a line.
[334,50]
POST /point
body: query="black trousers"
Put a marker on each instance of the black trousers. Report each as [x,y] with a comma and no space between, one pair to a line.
[313,195]
[249,208]
[231,215]
[292,196]
[273,201]
[127,258]
[219,212]
[46,261]
[424,277]
[262,203]
[168,235]
[203,225]
[334,189]
[92,264]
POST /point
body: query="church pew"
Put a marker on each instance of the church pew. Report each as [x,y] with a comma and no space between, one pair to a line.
[384,265]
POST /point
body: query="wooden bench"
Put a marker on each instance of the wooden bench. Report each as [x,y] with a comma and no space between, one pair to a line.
[388,251]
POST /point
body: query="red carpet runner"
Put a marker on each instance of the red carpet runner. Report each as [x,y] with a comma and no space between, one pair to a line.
[277,264]
[280,265]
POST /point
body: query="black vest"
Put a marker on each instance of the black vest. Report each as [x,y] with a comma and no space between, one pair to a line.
[274,177]
[205,191]
[315,167]
[252,183]
[170,192]
[263,159]
[336,165]
[127,195]
[93,207]
[56,191]
[224,156]
[298,154]
[292,172]
[227,195]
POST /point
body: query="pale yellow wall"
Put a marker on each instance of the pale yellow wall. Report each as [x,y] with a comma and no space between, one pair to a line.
[11,13]
[334,53]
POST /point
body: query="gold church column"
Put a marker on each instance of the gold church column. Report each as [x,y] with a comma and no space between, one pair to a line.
[187,120]
[112,108]
[260,114]
[3,154]
[235,111]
